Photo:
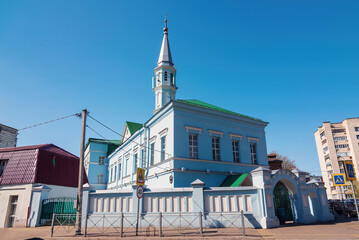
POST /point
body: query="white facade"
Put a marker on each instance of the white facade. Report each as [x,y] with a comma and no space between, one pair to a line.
[22,202]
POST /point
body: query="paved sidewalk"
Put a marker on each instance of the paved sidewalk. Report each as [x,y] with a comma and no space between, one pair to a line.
[341,229]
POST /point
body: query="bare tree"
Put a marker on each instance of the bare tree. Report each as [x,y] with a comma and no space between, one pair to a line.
[356,189]
[287,163]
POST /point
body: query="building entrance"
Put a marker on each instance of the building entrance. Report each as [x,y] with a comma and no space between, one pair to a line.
[282,203]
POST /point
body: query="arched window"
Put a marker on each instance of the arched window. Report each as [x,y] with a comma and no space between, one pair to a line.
[165,76]
[172,80]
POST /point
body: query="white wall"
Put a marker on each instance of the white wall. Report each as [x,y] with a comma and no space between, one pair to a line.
[23,191]
[61,191]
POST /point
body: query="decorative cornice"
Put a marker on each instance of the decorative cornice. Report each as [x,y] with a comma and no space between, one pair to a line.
[213,132]
[196,129]
[163,132]
[253,139]
[231,135]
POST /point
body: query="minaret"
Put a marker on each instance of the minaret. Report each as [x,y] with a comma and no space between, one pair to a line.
[164,84]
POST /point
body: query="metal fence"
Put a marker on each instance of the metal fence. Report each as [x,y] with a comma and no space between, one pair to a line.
[151,224]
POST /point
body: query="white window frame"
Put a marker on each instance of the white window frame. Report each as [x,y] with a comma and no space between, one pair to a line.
[235,152]
[100,177]
[216,153]
[152,153]
[135,162]
[163,148]
[101,160]
[254,159]
[193,148]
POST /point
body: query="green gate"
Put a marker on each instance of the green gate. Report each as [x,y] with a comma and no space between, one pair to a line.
[56,205]
[282,203]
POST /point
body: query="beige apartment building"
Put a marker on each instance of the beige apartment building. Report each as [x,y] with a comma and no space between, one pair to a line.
[337,142]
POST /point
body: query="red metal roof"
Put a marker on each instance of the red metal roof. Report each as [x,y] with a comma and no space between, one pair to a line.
[34,164]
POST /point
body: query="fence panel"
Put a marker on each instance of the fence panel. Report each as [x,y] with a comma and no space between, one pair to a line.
[151,224]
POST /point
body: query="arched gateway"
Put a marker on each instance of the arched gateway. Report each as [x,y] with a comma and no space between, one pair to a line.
[288,197]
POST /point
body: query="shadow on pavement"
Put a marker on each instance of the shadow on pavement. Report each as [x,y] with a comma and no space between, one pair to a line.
[338,219]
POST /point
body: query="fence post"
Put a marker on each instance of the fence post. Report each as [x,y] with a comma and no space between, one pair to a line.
[52,225]
[121,225]
[86,225]
[243,226]
[200,223]
[160,231]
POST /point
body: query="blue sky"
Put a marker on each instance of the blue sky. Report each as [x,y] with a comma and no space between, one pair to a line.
[292,63]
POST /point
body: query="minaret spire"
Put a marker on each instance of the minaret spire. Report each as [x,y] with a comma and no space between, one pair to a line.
[164,84]
[165,57]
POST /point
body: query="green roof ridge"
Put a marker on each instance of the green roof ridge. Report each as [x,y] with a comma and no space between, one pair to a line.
[234,180]
[133,127]
[201,104]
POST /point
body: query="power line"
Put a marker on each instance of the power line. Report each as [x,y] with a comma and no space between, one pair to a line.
[143,162]
[40,124]
[125,139]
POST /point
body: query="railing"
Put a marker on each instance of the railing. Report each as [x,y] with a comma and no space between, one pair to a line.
[151,224]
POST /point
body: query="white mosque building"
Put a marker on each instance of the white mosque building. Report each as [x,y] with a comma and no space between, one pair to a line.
[198,157]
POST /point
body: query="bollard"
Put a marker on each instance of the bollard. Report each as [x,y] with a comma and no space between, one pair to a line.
[52,225]
[121,225]
[160,230]
[86,218]
[200,223]
[243,226]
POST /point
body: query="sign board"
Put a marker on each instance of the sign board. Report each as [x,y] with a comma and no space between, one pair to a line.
[140,179]
[349,170]
[139,192]
[339,179]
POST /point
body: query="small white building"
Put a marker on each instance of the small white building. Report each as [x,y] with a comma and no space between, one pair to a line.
[35,180]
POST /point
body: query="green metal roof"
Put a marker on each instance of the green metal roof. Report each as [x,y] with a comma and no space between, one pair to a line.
[201,104]
[234,180]
[133,127]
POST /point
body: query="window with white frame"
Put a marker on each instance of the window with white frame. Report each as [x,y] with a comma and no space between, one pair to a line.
[253,147]
[114,173]
[125,167]
[193,145]
[235,148]
[119,170]
[341,138]
[101,160]
[163,148]
[165,76]
[143,163]
[134,163]
[110,177]
[343,154]
[152,157]
[100,179]
[215,149]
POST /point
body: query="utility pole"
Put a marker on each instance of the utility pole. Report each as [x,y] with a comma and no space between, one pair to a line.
[81,172]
